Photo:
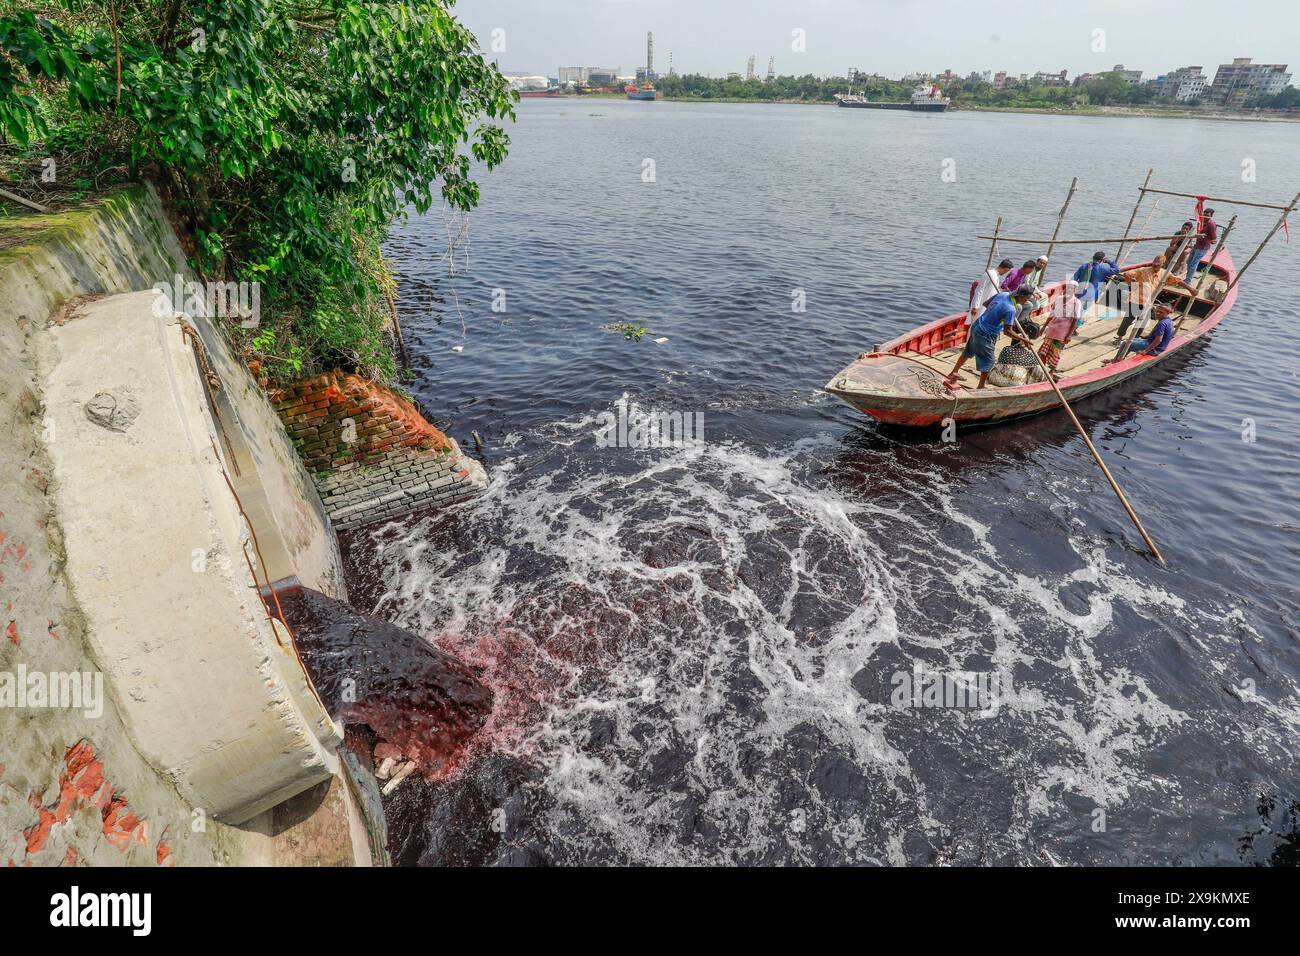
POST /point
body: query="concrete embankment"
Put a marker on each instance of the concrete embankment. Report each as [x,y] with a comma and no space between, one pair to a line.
[152,710]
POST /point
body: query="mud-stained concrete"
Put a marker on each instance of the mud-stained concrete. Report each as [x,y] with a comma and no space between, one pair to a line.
[97,593]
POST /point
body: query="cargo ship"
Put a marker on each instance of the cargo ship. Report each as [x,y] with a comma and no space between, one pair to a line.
[925,99]
[533,94]
[643,92]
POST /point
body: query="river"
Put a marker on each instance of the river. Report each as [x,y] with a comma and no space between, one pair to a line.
[694,650]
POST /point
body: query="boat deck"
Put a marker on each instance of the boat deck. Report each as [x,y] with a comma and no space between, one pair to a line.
[1091,345]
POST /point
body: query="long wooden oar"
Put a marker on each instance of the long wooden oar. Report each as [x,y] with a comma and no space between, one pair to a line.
[1119,492]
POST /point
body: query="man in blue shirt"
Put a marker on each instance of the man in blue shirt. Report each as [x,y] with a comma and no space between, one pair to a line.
[1091,275]
[982,344]
[1160,336]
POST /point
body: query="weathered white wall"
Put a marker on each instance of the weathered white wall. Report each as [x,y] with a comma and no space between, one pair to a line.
[98,529]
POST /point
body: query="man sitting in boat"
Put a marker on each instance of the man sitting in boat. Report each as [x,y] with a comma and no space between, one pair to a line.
[1142,282]
[1037,299]
[1012,282]
[1016,363]
[1091,275]
[1038,275]
[999,315]
[1160,336]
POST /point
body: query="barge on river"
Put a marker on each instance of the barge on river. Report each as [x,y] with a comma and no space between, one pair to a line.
[925,99]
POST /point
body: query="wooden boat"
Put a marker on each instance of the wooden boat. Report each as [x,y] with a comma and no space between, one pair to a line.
[903,381]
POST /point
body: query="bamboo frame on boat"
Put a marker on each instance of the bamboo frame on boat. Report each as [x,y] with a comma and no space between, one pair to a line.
[1141,322]
[1286,211]
[1231,202]
[1142,192]
[993,249]
[1122,255]
[1223,239]
[1079,242]
[1040,275]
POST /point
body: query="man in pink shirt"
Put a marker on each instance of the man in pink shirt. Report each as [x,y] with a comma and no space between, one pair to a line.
[1014,280]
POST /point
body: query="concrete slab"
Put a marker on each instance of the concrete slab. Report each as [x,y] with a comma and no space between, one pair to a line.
[211,695]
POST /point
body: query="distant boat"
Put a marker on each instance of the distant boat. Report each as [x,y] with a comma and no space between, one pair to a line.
[643,92]
[925,99]
[533,94]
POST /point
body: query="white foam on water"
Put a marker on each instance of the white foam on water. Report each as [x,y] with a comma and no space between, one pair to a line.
[713,608]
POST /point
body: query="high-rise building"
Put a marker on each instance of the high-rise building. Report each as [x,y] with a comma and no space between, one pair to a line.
[1240,81]
[1183,84]
[650,56]
[749,69]
[1134,77]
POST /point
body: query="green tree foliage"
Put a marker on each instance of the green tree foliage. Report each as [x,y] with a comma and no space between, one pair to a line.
[289,133]
[1288,99]
[807,88]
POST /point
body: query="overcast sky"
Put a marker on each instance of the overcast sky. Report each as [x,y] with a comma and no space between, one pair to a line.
[892,37]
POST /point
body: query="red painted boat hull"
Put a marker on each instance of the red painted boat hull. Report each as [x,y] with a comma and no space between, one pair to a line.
[891,387]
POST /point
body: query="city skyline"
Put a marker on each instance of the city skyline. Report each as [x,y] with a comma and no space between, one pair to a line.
[880,36]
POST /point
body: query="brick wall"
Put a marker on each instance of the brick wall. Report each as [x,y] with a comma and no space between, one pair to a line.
[370,451]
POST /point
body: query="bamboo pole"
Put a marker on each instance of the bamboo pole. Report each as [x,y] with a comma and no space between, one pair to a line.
[993,249]
[1233,202]
[1223,238]
[1141,323]
[1142,194]
[1255,255]
[988,266]
[1123,256]
[1079,242]
[14,197]
[1039,276]
[1119,492]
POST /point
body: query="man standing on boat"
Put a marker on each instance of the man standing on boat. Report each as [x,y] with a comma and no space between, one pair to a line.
[982,343]
[1091,275]
[985,289]
[1142,283]
[1207,232]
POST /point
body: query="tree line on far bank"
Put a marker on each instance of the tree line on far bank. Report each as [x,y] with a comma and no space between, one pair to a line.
[1105,89]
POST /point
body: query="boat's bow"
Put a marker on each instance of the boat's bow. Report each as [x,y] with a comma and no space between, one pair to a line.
[894,388]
